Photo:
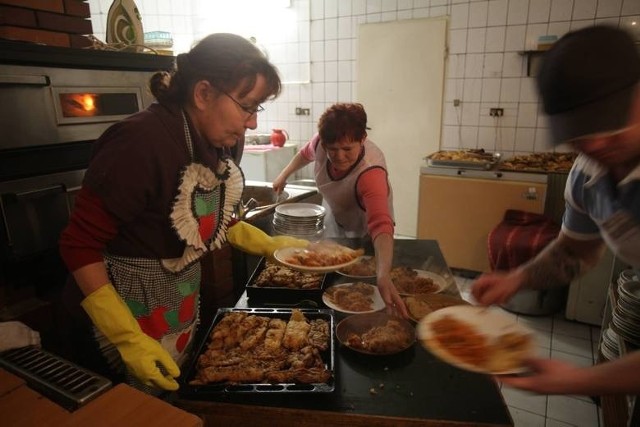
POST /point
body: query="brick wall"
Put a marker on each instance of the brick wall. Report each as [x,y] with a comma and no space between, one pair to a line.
[63,23]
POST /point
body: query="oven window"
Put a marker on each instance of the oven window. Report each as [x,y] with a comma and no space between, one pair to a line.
[98,104]
[81,105]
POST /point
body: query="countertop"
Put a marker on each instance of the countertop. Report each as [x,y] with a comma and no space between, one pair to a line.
[410,388]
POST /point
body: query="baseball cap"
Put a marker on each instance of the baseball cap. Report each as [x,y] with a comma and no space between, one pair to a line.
[587,81]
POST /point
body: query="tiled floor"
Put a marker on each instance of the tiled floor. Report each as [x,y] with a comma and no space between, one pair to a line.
[560,339]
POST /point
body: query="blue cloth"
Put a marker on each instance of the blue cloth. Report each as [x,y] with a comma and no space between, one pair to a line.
[598,207]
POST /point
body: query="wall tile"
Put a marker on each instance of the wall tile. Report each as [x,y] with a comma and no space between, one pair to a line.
[344,8]
[513,65]
[330,29]
[476,40]
[459,16]
[493,65]
[470,113]
[344,50]
[330,8]
[330,50]
[606,9]
[559,28]
[524,139]
[528,90]
[458,41]
[358,7]
[584,9]
[474,65]
[478,14]
[561,10]
[317,9]
[374,6]
[469,137]
[539,11]
[331,71]
[472,90]
[405,4]
[439,11]
[487,138]
[515,36]
[345,29]
[630,7]
[389,16]
[491,90]
[527,115]
[517,12]
[510,90]
[456,66]
[497,14]
[389,5]
[495,39]
[404,15]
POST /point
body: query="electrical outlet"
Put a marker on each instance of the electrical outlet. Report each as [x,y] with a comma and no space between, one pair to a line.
[302,111]
[456,102]
[496,112]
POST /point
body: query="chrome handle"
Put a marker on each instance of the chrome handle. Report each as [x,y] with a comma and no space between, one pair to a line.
[25,80]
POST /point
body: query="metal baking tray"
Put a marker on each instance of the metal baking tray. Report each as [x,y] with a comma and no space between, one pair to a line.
[487,161]
[277,294]
[216,389]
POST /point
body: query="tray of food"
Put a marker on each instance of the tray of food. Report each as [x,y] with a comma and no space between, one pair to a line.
[540,162]
[263,351]
[466,159]
[272,282]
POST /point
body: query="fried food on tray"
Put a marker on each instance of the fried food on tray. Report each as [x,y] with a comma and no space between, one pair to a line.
[364,267]
[324,254]
[246,348]
[408,281]
[495,354]
[389,338]
[275,275]
[354,297]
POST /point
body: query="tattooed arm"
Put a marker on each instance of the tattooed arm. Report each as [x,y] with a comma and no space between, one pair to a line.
[561,261]
[558,264]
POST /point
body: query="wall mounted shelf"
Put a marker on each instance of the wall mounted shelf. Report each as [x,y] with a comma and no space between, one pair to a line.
[533,60]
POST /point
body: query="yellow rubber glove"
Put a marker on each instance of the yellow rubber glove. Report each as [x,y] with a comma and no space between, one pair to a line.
[139,351]
[252,240]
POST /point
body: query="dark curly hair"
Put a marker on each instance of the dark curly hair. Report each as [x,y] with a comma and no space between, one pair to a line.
[224,60]
[343,120]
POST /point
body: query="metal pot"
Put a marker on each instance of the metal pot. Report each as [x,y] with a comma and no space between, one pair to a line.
[538,302]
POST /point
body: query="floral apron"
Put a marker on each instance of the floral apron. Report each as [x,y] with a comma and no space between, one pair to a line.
[163,294]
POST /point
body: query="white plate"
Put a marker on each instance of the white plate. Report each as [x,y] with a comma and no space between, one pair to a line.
[282,254]
[377,305]
[438,280]
[353,276]
[489,322]
[301,209]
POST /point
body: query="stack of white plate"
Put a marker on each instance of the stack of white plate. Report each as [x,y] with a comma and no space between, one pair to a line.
[610,348]
[626,316]
[299,219]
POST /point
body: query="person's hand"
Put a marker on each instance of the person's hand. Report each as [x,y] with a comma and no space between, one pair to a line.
[140,353]
[496,288]
[256,242]
[548,376]
[279,183]
[392,299]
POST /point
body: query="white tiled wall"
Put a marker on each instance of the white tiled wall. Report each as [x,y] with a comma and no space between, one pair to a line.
[485,67]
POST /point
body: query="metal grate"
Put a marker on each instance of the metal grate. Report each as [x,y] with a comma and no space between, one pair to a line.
[65,383]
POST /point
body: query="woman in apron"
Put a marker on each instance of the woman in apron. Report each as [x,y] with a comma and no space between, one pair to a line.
[351,174]
[159,194]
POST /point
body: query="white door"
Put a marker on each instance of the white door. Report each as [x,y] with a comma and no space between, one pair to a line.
[400,75]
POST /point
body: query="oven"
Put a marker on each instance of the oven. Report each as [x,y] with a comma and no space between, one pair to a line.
[55,102]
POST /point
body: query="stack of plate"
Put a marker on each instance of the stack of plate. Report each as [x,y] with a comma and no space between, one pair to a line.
[299,219]
[610,348]
[626,316]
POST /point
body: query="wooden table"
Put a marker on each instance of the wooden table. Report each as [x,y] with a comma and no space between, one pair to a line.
[408,389]
[121,406]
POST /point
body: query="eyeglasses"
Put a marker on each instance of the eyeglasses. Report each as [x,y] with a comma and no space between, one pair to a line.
[249,110]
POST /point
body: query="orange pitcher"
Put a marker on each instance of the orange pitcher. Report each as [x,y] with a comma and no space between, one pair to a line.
[279,137]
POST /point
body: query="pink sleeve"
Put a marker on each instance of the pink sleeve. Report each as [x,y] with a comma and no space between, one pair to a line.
[308,151]
[373,190]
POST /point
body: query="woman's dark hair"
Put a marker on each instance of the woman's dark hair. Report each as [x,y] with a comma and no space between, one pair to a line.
[224,60]
[343,120]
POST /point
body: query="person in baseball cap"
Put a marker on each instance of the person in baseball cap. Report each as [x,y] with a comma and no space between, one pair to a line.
[589,82]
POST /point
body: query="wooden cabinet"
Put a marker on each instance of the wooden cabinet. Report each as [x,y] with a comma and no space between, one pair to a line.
[459,208]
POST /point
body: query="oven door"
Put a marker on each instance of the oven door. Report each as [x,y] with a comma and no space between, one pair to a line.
[34,213]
